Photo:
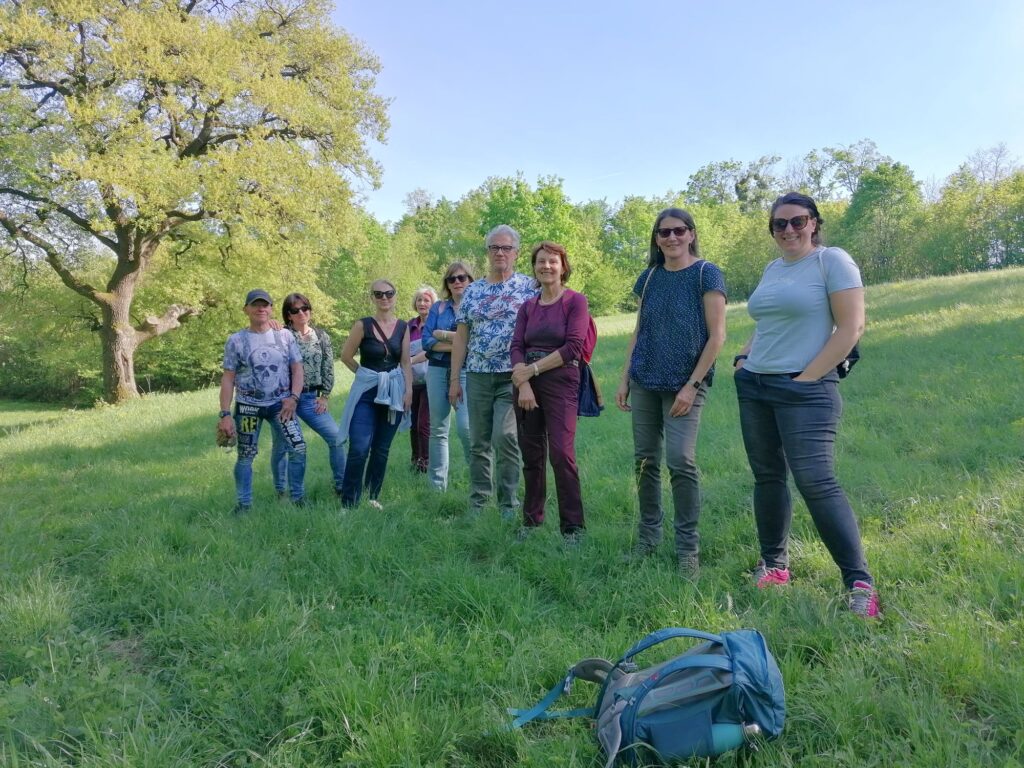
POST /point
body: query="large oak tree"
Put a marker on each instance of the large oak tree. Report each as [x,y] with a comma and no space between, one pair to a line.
[142,128]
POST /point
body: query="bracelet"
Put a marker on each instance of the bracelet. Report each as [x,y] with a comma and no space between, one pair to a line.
[535,371]
[225,414]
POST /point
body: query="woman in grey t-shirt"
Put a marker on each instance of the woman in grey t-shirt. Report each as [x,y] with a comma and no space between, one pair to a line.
[809,312]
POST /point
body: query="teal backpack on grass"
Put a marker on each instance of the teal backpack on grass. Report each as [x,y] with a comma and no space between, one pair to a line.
[716,696]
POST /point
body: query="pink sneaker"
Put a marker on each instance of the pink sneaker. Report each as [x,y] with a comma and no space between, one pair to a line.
[864,600]
[770,577]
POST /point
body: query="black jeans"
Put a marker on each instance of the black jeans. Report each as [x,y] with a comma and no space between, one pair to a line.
[792,423]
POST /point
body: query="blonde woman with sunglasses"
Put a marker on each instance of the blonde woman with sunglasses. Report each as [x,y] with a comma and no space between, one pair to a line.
[381,395]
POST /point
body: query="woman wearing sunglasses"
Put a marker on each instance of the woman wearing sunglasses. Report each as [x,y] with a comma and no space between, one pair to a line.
[809,312]
[419,434]
[670,363]
[438,333]
[381,394]
[318,381]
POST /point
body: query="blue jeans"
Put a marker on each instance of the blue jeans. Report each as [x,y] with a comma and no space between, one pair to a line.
[792,423]
[369,441]
[656,432]
[438,378]
[248,422]
[493,441]
[325,426]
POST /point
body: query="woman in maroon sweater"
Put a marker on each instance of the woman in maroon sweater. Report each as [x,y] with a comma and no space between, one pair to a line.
[546,349]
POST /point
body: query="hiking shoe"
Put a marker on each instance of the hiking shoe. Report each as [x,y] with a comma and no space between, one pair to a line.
[689,566]
[524,532]
[640,551]
[300,502]
[573,538]
[508,514]
[375,504]
[241,509]
[769,577]
[864,600]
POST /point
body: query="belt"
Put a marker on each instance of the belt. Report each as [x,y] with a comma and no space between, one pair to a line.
[533,357]
[318,390]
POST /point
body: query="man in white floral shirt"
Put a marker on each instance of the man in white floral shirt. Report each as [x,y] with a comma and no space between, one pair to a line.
[486,320]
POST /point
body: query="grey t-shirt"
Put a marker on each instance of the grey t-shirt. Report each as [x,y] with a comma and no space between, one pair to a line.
[791,308]
[262,365]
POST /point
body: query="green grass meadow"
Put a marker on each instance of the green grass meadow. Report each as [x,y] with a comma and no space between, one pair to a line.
[141,624]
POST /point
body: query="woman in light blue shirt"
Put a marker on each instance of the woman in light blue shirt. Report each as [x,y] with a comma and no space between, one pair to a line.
[809,312]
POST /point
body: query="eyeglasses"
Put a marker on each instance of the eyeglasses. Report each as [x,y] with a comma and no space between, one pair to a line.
[453,279]
[798,222]
[677,231]
[383,294]
[296,310]
[501,248]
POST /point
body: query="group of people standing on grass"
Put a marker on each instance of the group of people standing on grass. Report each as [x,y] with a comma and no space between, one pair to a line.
[504,354]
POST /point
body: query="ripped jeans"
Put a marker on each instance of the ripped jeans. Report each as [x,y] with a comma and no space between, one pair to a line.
[248,422]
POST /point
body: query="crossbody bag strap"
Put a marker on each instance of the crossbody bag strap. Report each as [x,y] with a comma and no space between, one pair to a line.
[384,338]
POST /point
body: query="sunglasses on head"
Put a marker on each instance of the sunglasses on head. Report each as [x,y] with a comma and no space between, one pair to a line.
[798,222]
[296,310]
[452,279]
[667,231]
[383,294]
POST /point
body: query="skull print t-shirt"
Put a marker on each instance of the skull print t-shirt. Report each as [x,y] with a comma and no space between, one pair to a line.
[262,365]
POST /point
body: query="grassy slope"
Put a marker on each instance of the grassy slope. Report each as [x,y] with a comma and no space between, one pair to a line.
[140,624]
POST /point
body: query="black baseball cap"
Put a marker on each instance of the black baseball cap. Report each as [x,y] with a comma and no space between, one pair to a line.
[256,294]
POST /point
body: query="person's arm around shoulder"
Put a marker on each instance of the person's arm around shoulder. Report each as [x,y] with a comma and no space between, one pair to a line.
[348,352]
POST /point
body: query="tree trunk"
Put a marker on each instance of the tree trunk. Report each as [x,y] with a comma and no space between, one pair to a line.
[120,340]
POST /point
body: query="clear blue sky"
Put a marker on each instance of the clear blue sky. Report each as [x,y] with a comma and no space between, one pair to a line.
[620,98]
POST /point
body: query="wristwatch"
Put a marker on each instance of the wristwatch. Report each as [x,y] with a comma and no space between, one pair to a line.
[695,384]
[225,413]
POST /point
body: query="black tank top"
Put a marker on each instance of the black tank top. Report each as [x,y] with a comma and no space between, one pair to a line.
[374,354]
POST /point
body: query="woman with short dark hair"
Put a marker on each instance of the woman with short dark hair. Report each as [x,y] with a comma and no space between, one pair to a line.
[809,312]
[547,345]
[317,383]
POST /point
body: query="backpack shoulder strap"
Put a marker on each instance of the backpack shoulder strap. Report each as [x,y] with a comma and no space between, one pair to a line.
[592,670]
[643,295]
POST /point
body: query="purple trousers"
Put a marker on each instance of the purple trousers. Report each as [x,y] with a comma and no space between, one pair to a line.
[550,430]
[419,435]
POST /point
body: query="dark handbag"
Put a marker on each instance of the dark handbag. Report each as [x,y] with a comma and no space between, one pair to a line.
[590,402]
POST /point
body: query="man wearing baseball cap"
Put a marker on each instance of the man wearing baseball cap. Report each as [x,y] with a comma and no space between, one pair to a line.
[263,371]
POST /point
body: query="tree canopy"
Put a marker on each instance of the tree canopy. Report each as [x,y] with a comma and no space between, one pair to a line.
[223,134]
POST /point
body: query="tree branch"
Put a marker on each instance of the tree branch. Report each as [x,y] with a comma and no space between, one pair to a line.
[80,221]
[53,258]
[175,315]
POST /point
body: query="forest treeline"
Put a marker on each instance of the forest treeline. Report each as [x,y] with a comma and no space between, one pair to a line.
[873,206]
